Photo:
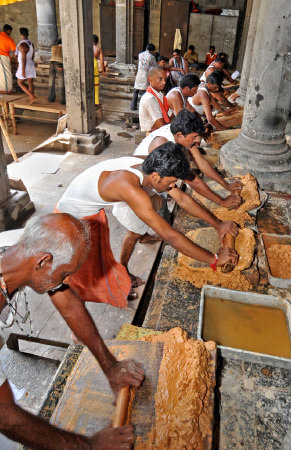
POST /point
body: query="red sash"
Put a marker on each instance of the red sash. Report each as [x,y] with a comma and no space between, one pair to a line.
[164,107]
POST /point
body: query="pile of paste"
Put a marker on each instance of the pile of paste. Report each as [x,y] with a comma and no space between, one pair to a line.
[184,396]
[279,258]
[249,194]
[188,269]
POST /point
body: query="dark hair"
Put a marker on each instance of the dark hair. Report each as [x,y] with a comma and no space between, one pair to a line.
[168,160]
[212,46]
[222,55]
[220,75]
[191,47]
[7,27]
[189,80]
[24,31]
[187,122]
[220,59]
[162,58]
[150,47]
[214,78]
[176,50]
[95,39]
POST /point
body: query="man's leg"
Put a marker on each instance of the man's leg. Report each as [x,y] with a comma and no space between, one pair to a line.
[127,247]
[25,89]
[31,85]
[133,105]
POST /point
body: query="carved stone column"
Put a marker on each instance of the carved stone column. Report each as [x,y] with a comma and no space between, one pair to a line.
[14,205]
[47,32]
[77,32]
[261,147]
[247,62]
[124,37]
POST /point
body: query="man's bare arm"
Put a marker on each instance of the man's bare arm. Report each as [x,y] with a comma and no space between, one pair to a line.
[141,204]
[186,202]
[158,124]
[23,48]
[208,112]
[206,168]
[175,102]
[21,426]
[74,312]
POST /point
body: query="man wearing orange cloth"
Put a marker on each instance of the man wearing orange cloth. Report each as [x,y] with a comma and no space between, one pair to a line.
[7,45]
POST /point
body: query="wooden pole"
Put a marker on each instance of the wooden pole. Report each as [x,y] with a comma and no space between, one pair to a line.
[10,145]
[228,241]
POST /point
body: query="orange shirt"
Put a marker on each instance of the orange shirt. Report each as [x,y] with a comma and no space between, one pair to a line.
[209,59]
[7,44]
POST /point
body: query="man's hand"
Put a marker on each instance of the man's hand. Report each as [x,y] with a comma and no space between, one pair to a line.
[227,227]
[232,201]
[123,373]
[236,186]
[112,439]
[227,254]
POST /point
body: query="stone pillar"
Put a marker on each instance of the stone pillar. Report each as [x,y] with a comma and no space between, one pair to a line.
[247,62]
[47,32]
[14,205]
[124,37]
[261,147]
[77,32]
[244,36]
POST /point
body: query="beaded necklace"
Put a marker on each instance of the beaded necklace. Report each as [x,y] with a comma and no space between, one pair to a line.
[13,304]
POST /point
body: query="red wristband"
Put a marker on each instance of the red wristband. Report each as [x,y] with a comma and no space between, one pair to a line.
[213,265]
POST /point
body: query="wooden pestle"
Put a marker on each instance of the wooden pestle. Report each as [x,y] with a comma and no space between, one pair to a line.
[121,407]
[228,241]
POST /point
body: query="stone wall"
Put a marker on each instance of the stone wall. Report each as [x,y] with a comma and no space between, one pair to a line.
[20,14]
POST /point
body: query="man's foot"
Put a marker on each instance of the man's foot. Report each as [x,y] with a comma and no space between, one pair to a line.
[32,99]
[135,280]
[132,295]
[146,238]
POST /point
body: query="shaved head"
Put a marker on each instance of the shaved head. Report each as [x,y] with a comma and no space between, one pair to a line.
[154,70]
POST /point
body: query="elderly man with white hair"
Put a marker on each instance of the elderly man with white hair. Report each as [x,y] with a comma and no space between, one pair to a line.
[51,248]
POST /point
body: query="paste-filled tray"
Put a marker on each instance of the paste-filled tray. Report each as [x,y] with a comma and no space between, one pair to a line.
[275,268]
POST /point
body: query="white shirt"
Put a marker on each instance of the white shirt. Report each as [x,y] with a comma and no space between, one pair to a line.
[150,111]
[143,147]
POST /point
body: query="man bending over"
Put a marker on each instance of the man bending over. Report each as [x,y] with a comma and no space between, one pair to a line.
[127,184]
[178,96]
[52,248]
[187,130]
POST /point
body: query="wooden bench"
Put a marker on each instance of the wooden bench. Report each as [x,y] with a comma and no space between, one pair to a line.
[41,104]
[4,105]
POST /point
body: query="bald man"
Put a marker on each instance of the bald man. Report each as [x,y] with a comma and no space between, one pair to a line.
[154,110]
[51,248]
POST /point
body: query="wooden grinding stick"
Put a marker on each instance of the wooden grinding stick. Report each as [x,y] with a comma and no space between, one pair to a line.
[121,407]
[228,241]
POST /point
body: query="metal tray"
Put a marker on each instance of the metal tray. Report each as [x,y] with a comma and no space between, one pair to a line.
[253,298]
[266,240]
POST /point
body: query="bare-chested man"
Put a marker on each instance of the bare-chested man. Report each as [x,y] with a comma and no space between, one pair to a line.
[51,248]
[178,96]
[98,56]
[127,184]
[203,101]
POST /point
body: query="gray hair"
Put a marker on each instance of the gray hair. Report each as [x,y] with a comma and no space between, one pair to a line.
[39,237]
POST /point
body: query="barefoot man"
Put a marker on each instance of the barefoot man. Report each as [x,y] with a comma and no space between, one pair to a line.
[52,248]
[127,184]
[26,69]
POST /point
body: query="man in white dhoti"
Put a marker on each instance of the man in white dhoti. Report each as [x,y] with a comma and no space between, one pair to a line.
[26,69]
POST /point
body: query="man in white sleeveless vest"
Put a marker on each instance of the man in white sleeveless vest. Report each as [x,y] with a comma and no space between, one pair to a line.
[127,184]
[178,96]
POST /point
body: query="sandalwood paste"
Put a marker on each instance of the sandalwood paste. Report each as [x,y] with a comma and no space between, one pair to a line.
[279,258]
[184,397]
[244,245]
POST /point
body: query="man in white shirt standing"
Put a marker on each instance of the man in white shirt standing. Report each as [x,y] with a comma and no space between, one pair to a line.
[146,60]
